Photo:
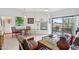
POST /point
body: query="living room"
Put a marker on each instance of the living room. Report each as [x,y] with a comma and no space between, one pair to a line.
[38,28]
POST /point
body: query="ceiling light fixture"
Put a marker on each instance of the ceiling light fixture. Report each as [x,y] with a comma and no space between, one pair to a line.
[25,17]
[46,10]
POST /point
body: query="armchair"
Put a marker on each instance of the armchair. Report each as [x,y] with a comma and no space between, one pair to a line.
[28,44]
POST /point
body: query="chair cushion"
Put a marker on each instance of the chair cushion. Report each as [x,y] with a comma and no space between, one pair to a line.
[62,44]
[25,45]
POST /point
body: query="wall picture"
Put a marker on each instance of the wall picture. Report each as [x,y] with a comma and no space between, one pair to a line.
[43,26]
[8,21]
[19,21]
[30,20]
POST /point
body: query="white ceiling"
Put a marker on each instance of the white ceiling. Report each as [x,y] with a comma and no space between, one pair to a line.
[22,11]
[39,9]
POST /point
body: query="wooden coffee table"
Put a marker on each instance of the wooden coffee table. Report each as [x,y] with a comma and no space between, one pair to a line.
[47,44]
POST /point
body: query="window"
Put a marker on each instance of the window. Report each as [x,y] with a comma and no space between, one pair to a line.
[57,26]
[63,25]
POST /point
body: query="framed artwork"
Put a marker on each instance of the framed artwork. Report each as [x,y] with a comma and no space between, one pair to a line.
[30,20]
[5,20]
[19,21]
[43,26]
[8,21]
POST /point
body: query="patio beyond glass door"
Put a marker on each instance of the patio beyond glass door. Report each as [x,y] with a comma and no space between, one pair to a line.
[68,25]
[57,26]
[64,25]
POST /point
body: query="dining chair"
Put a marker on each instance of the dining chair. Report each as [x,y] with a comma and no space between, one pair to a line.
[71,40]
[14,31]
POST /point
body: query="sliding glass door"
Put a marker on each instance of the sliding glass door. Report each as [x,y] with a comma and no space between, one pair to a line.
[64,25]
[57,26]
[68,25]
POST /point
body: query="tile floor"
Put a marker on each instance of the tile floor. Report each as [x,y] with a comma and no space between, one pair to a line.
[12,43]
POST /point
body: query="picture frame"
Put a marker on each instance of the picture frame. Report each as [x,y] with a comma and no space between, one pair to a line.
[8,21]
[19,21]
[30,20]
[43,26]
